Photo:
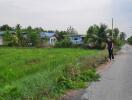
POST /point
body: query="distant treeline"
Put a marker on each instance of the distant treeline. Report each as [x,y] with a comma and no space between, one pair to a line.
[96,36]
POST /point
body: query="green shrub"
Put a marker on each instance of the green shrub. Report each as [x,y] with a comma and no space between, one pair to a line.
[118,42]
[88,62]
[74,78]
[129,40]
[63,44]
[10,92]
[90,75]
[44,73]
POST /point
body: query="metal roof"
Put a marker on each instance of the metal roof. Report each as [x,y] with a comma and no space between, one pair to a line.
[47,34]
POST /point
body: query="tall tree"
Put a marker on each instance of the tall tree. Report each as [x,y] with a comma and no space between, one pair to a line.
[5,28]
[97,34]
[92,33]
[129,40]
[93,30]
[33,35]
[109,33]
[122,36]
[71,31]
[19,34]
[102,32]
[116,33]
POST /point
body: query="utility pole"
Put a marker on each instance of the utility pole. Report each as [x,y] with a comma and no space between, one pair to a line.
[112,27]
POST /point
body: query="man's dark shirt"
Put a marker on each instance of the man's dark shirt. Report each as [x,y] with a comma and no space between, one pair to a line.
[109,44]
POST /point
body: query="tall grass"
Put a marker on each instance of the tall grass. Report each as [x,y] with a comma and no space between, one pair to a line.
[32,73]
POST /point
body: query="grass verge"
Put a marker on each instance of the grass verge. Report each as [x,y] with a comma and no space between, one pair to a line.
[44,74]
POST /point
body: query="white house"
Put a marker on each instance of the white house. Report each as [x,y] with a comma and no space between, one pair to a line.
[1,38]
[77,39]
[51,36]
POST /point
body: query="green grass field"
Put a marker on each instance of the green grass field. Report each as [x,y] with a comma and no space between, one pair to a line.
[32,71]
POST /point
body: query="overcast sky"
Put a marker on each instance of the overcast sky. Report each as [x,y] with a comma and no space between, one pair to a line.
[59,14]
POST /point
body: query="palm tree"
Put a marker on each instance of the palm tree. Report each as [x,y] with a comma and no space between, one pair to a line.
[97,34]
[92,34]
[116,33]
[19,34]
[102,33]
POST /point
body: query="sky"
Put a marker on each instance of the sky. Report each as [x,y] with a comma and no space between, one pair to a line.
[60,14]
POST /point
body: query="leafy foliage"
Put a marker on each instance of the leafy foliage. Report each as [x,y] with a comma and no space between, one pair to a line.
[129,40]
[71,31]
[38,73]
[5,28]
[97,36]
[64,43]
[122,36]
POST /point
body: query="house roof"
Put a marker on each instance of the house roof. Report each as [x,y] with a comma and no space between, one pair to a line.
[47,34]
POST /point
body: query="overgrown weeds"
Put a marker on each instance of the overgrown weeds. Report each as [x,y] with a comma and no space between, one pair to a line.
[45,74]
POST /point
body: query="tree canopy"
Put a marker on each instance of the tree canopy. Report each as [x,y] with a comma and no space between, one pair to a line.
[5,28]
[98,34]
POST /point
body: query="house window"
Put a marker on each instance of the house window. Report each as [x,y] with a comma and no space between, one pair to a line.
[75,38]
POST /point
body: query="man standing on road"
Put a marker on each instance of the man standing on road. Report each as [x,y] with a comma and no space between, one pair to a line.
[110,49]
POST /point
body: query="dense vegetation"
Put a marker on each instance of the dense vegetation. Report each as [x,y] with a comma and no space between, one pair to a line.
[21,37]
[45,73]
[129,40]
[36,73]
[96,36]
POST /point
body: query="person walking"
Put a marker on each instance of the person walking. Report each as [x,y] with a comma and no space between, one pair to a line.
[110,49]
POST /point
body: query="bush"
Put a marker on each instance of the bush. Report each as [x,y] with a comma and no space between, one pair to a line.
[34,38]
[119,42]
[129,40]
[46,74]
[74,78]
[90,75]
[64,44]
[90,62]
[10,92]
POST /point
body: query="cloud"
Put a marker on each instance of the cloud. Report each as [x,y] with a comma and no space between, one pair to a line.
[56,14]
[122,15]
